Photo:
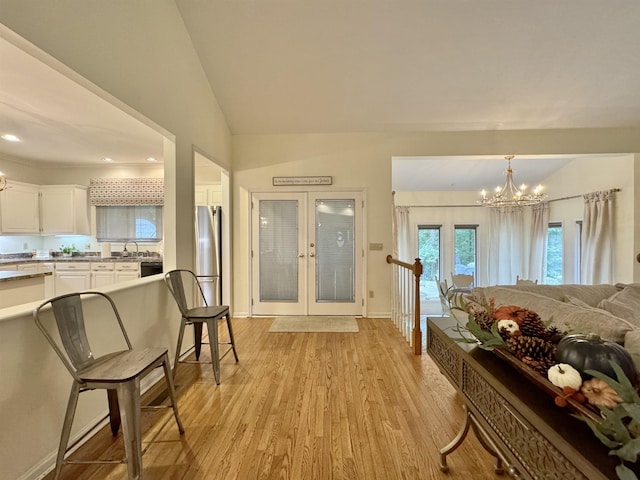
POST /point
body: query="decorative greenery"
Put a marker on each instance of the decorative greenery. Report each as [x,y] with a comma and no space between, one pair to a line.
[486,339]
[619,428]
[68,250]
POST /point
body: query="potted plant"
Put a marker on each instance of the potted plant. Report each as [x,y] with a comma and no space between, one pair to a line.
[68,251]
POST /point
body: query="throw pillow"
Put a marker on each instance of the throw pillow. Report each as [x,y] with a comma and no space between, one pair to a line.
[566,316]
[624,304]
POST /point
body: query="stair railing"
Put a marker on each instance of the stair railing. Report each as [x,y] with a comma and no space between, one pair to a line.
[405,300]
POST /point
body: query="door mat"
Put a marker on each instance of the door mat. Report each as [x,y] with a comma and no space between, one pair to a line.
[315,324]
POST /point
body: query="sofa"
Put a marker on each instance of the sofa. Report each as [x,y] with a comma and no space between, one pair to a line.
[611,311]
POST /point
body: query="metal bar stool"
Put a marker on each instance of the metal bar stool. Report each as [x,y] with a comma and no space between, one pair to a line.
[195,310]
[118,372]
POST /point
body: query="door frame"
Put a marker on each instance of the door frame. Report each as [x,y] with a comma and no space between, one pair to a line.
[333,192]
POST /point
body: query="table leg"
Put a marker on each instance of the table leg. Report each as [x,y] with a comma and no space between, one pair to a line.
[456,442]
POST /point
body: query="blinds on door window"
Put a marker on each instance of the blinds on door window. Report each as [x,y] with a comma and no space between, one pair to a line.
[278,250]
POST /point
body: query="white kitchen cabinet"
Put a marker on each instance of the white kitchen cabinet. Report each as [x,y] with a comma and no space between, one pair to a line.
[72,277]
[8,268]
[102,273]
[208,195]
[64,210]
[19,209]
[125,271]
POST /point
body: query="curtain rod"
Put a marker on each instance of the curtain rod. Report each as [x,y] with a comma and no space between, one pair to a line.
[465,206]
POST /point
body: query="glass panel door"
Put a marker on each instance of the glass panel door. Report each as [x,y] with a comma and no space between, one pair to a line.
[278,226]
[307,254]
[336,251]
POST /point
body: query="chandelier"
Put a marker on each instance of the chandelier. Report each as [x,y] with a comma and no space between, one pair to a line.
[511,196]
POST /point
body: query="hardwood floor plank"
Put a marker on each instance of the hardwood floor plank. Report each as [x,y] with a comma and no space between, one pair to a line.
[334,406]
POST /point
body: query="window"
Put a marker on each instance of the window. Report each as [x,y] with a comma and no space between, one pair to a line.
[465,250]
[119,224]
[553,274]
[577,271]
[429,253]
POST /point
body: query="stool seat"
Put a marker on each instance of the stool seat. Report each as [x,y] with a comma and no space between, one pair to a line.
[205,312]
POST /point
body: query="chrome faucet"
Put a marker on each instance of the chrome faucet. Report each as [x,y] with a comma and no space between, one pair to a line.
[125,252]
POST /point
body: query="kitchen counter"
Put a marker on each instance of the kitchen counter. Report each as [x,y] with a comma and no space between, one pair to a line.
[17,288]
[78,258]
[9,276]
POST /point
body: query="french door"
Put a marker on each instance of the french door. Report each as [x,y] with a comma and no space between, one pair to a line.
[307,253]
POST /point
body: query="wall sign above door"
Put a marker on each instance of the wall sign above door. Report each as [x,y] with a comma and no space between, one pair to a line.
[285,181]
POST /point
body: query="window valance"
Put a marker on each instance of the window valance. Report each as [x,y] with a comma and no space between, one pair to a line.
[126,191]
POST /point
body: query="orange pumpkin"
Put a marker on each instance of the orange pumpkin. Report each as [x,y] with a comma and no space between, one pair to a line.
[510,312]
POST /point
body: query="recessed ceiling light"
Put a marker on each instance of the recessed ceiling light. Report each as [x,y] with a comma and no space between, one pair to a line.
[9,137]
[107,159]
[152,160]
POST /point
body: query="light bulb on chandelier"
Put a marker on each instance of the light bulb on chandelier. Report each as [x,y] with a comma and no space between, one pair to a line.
[511,196]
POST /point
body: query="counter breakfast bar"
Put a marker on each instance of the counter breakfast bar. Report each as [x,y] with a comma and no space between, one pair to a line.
[17,287]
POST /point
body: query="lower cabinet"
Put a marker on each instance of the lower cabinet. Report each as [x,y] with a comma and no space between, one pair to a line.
[102,274]
[126,271]
[72,277]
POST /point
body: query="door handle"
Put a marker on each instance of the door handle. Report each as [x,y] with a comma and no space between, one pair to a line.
[312,254]
[301,255]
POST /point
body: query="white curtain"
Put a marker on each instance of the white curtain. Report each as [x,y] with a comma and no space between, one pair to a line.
[538,252]
[507,245]
[402,235]
[596,262]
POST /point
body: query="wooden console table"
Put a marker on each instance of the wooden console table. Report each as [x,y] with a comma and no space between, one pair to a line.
[515,421]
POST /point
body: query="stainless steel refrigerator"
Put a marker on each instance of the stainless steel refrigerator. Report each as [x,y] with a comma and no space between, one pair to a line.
[208,252]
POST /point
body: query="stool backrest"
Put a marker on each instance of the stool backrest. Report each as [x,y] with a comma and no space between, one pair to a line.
[186,289]
[72,342]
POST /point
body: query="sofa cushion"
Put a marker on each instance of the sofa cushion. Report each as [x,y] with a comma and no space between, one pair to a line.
[590,294]
[565,316]
[624,304]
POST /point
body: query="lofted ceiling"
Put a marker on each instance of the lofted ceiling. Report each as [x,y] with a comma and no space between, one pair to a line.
[323,66]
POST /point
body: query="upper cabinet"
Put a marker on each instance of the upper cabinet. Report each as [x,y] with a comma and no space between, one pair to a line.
[208,195]
[19,208]
[51,209]
[63,210]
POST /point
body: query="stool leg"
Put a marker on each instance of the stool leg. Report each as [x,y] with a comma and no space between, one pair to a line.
[183,323]
[197,338]
[233,343]
[114,411]
[172,391]
[212,330]
[129,399]
[66,427]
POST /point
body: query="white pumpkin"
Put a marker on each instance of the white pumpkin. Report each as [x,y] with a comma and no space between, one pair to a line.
[564,375]
[509,325]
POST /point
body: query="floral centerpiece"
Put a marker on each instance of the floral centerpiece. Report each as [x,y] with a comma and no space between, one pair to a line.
[578,370]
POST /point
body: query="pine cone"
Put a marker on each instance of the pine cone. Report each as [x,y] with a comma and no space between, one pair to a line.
[484,320]
[531,325]
[541,365]
[553,334]
[533,347]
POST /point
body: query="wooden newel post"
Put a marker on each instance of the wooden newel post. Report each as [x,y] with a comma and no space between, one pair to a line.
[417,332]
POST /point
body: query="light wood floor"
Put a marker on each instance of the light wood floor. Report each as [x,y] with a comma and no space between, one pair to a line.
[304,406]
